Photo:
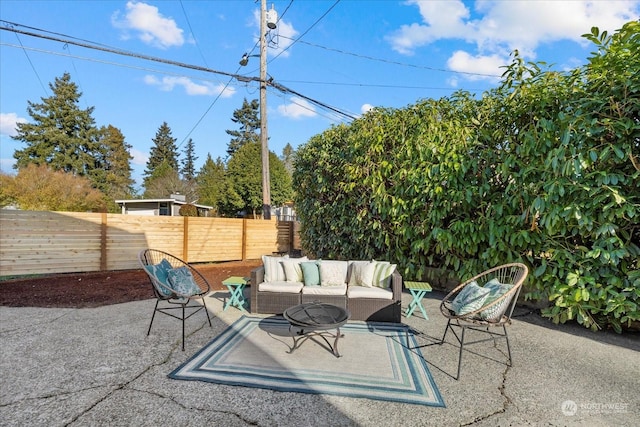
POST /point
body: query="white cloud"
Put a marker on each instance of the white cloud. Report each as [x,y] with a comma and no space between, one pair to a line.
[8,122]
[191,88]
[497,28]
[297,108]
[149,24]
[515,24]
[365,108]
[139,158]
[487,65]
[441,19]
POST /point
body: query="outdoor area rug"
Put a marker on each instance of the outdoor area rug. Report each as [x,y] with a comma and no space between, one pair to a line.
[375,362]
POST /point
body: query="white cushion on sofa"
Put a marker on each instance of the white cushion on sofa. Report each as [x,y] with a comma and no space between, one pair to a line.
[325,290]
[361,273]
[366,292]
[281,286]
[273,270]
[292,269]
[333,273]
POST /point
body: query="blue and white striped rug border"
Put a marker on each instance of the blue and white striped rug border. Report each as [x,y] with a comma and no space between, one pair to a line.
[420,389]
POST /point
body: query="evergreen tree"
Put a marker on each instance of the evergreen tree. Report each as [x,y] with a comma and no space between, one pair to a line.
[164,153]
[165,181]
[215,190]
[61,135]
[115,167]
[249,120]
[244,173]
[188,170]
[288,154]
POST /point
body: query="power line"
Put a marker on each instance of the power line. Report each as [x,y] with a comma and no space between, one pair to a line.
[32,66]
[370,85]
[118,51]
[236,76]
[115,64]
[404,64]
[308,29]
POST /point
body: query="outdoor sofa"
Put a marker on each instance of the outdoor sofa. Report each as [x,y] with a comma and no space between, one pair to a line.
[369,290]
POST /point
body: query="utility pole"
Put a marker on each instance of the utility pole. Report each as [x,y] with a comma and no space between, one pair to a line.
[264,137]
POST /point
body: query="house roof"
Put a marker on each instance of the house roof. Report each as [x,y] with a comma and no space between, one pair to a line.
[174,201]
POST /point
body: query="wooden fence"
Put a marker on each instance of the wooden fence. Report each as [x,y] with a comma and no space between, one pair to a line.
[34,242]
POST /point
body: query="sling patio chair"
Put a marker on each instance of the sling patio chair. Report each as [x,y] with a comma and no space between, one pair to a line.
[483,303]
[176,284]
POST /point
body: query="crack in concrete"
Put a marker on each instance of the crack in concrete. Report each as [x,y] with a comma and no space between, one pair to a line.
[502,389]
[32,325]
[126,384]
[201,409]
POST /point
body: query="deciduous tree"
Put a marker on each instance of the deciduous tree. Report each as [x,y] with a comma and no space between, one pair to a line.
[38,187]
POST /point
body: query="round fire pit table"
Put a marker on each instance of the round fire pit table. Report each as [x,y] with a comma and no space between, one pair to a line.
[316,319]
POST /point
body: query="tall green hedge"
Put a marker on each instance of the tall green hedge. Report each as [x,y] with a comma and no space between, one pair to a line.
[544,169]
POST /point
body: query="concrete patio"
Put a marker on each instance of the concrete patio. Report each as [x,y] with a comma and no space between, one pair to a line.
[87,367]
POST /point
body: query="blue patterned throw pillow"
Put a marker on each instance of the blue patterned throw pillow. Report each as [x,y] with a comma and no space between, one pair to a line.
[182,281]
[160,272]
[496,290]
[470,298]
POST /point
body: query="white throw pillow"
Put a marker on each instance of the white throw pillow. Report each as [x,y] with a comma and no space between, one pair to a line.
[292,269]
[273,270]
[333,273]
[362,273]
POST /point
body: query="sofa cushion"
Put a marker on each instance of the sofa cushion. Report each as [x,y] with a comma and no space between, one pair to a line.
[361,273]
[273,270]
[325,290]
[292,269]
[382,274]
[282,286]
[333,273]
[310,273]
[469,299]
[369,292]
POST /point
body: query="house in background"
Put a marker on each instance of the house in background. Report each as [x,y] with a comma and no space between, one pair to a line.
[166,207]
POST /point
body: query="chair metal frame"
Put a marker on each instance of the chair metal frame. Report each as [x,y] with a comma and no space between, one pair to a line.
[188,305]
[514,274]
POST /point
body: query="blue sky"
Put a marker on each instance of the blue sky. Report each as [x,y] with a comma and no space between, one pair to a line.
[348,55]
